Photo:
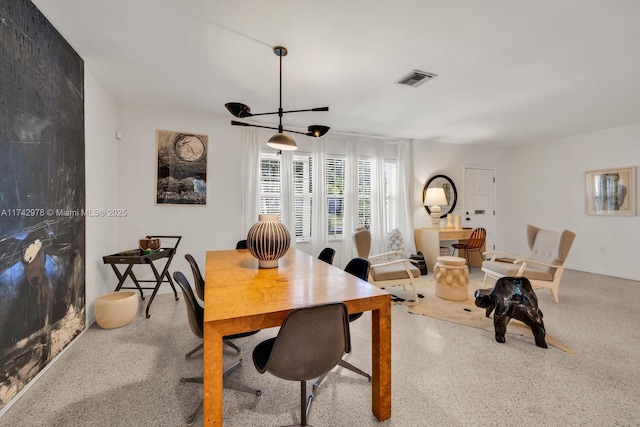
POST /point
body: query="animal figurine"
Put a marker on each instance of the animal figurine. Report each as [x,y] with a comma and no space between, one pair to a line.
[512,298]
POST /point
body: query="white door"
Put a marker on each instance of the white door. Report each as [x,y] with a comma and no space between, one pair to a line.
[479,202]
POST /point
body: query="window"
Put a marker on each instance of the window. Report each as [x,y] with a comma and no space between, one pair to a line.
[270,185]
[364,193]
[271,191]
[390,194]
[302,188]
[335,176]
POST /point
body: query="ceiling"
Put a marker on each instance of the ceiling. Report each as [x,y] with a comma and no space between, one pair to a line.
[509,72]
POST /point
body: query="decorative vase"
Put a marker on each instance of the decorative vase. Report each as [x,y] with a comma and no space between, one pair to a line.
[449,221]
[268,240]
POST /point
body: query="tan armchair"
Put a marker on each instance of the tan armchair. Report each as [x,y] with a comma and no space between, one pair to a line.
[387,269]
[543,267]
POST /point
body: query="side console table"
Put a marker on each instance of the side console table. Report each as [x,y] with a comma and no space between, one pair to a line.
[136,256]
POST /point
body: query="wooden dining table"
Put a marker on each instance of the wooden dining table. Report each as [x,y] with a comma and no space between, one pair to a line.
[240,297]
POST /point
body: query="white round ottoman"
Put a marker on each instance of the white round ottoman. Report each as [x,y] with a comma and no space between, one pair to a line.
[116,309]
[452,278]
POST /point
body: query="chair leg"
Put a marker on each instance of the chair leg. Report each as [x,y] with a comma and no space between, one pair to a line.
[352,368]
[346,365]
[198,348]
[191,418]
[232,345]
[236,385]
[198,380]
[484,282]
[305,403]
[415,294]
[318,381]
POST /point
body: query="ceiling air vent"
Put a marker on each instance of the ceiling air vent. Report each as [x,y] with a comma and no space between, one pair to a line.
[416,78]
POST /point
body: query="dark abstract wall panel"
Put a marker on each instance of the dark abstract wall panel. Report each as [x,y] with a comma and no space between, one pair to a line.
[42,195]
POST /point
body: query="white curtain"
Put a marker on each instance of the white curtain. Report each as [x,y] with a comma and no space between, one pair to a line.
[250,179]
[319,226]
[378,218]
[287,192]
[405,191]
[350,218]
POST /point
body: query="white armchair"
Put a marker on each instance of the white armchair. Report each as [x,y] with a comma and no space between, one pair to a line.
[387,269]
[543,267]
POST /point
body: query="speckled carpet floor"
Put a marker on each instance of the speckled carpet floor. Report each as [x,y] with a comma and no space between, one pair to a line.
[443,373]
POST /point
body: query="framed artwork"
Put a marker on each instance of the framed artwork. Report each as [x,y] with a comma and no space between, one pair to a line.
[181,177]
[611,191]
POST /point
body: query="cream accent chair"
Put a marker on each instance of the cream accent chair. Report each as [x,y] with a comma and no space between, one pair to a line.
[543,267]
[387,269]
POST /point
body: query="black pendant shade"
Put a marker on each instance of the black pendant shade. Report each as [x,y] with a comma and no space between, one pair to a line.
[238,110]
[279,141]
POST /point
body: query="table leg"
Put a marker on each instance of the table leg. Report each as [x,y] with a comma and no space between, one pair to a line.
[212,376]
[156,288]
[122,277]
[381,362]
[165,273]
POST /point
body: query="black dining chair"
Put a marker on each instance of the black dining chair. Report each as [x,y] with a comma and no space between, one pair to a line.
[311,342]
[198,279]
[199,285]
[358,267]
[242,244]
[327,255]
[195,313]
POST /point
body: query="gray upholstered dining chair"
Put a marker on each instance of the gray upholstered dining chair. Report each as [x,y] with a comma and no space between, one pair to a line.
[195,314]
[311,342]
[544,265]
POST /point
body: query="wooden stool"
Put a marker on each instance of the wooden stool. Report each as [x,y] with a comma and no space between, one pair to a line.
[452,278]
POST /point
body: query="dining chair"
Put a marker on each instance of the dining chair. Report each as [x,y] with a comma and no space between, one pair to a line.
[327,255]
[474,244]
[358,267]
[310,342]
[195,314]
[199,285]
[242,244]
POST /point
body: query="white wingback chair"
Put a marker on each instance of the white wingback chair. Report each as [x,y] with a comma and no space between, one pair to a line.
[387,269]
[543,267]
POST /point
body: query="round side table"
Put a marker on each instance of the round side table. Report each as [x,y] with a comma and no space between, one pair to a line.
[452,278]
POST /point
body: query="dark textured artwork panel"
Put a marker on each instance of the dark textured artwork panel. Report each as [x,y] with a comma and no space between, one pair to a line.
[42,188]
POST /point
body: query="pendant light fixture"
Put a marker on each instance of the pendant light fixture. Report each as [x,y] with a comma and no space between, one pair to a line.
[279,141]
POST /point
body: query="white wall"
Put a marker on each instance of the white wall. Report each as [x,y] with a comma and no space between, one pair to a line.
[539,183]
[214,226]
[544,186]
[101,175]
[434,158]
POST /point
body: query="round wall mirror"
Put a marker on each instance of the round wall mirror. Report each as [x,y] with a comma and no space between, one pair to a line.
[450,192]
